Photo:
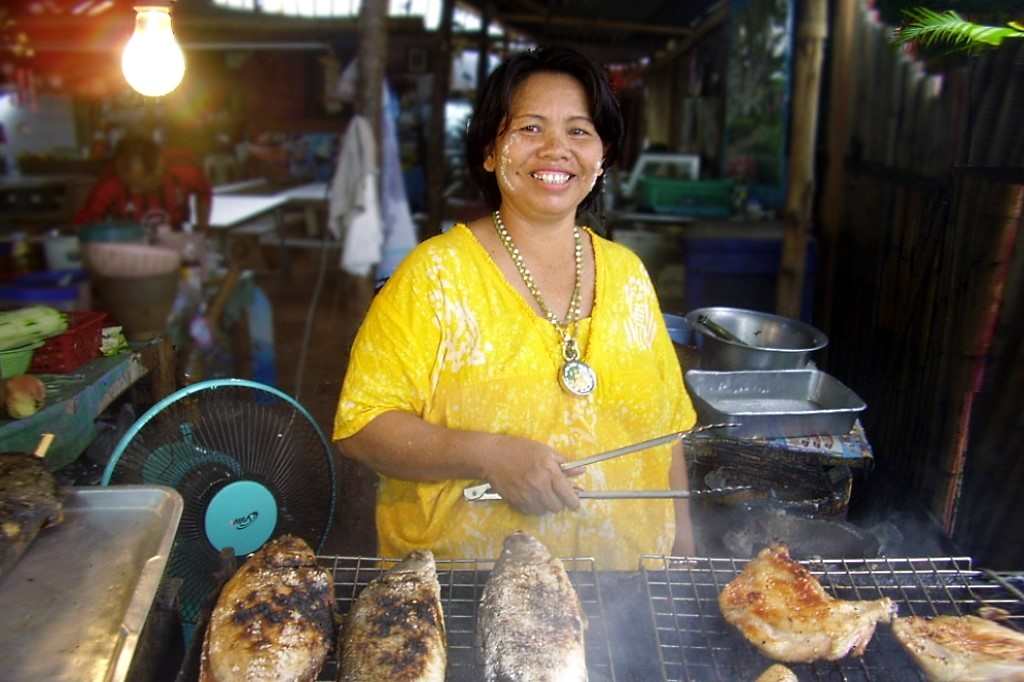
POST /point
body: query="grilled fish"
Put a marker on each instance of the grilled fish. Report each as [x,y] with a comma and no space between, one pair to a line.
[530,624]
[273,619]
[783,610]
[777,673]
[395,630]
[29,500]
[962,648]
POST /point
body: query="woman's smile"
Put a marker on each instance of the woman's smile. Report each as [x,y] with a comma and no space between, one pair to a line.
[551,177]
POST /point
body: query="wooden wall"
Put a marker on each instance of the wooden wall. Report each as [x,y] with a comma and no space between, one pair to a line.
[923,245]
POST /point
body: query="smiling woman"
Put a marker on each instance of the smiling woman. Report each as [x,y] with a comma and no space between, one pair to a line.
[509,346]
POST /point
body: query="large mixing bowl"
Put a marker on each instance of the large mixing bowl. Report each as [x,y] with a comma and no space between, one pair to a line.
[768,341]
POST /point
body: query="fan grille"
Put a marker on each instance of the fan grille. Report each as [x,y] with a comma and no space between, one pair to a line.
[209,435]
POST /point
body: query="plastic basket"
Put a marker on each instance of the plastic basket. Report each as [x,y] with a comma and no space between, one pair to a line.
[72,349]
[697,198]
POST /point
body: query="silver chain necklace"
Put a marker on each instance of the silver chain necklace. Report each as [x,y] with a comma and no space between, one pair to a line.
[575,376]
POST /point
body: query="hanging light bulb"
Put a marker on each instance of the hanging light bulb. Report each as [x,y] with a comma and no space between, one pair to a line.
[152,61]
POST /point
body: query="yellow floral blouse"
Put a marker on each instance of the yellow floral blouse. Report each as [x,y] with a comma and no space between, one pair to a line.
[449,339]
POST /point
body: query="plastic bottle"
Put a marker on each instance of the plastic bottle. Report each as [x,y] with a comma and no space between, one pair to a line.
[21,254]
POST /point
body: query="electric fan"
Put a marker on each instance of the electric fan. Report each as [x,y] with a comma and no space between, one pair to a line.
[249,462]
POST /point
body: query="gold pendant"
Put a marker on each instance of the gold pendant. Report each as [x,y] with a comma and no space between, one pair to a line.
[576,376]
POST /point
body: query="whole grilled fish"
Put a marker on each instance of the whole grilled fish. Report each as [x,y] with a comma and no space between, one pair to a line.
[274,619]
[530,625]
[395,630]
[29,500]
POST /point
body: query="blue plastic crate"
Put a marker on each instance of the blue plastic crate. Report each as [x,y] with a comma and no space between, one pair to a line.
[740,273]
[61,289]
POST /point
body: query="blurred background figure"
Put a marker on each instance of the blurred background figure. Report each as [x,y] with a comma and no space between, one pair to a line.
[151,186]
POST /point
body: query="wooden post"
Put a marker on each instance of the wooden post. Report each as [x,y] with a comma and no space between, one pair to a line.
[842,93]
[483,47]
[436,166]
[804,127]
[999,206]
[373,53]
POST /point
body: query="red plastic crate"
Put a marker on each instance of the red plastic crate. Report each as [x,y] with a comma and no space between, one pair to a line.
[72,349]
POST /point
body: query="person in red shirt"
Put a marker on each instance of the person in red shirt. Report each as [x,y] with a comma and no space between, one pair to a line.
[151,187]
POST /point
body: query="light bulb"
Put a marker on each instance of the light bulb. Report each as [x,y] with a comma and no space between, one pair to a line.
[152,61]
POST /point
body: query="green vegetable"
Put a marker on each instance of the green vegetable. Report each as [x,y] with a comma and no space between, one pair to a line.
[28,325]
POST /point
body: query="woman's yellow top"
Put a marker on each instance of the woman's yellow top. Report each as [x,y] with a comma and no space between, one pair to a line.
[449,340]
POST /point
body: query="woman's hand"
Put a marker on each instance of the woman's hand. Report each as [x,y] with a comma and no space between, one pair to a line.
[528,476]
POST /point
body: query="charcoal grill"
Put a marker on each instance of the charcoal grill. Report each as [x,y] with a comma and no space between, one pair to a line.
[695,643]
[462,583]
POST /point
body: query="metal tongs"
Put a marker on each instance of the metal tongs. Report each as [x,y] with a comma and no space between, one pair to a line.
[476,493]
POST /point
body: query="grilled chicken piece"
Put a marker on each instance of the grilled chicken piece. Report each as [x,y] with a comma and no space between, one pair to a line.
[395,630]
[962,648]
[273,620]
[777,673]
[782,610]
[530,625]
[29,500]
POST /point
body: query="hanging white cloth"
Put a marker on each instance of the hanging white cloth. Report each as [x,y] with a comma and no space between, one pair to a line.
[353,203]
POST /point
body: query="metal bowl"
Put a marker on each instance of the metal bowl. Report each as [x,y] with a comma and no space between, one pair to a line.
[768,341]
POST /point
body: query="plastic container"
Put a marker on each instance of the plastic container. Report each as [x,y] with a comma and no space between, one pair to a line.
[740,273]
[65,290]
[113,232]
[79,344]
[696,198]
[678,328]
[140,304]
[63,252]
[131,260]
[15,361]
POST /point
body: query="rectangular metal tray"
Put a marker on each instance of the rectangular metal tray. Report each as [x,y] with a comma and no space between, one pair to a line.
[782,403]
[74,606]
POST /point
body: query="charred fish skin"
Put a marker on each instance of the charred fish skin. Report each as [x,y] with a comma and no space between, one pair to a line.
[530,624]
[29,500]
[273,620]
[395,631]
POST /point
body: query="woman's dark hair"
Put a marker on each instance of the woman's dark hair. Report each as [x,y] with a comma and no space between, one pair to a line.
[495,99]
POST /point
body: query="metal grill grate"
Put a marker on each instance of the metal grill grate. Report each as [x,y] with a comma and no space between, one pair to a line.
[462,583]
[695,643]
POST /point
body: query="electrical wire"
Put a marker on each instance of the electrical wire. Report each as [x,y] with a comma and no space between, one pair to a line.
[307,333]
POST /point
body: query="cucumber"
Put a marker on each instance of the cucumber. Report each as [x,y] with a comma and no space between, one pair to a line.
[28,325]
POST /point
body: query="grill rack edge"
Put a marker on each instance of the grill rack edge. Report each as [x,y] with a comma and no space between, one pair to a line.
[696,644]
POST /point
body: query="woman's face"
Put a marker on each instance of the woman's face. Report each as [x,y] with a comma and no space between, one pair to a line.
[548,154]
[138,178]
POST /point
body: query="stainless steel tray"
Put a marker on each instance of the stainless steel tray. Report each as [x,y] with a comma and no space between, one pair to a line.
[74,606]
[774,403]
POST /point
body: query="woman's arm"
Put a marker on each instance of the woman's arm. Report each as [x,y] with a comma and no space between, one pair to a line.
[683,544]
[526,473]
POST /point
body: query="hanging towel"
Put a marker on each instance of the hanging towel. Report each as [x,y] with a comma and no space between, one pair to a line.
[353,204]
[399,229]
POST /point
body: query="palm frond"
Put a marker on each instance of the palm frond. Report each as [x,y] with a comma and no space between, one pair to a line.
[929,27]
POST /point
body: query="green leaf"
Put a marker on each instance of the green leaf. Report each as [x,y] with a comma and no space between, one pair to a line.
[929,27]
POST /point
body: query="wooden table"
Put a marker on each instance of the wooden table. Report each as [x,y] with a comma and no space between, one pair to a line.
[72,404]
[311,198]
[247,218]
